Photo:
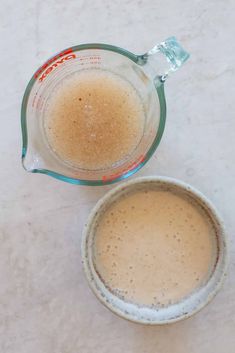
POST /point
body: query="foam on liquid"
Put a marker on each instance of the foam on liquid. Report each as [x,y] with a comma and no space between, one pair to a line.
[94,119]
[154,247]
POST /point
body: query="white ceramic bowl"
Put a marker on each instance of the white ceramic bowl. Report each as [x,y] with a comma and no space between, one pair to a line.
[143,314]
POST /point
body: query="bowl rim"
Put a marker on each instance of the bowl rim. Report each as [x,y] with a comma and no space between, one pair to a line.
[222,252]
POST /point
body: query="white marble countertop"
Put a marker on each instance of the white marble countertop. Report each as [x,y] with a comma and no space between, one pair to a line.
[45,303]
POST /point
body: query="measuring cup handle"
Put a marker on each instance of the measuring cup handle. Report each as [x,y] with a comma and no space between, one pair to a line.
[170,50]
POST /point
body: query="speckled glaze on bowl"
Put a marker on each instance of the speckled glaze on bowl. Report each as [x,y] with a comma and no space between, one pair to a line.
[143,314]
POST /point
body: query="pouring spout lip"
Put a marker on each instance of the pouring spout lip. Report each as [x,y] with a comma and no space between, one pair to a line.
[75,181]
[24,165]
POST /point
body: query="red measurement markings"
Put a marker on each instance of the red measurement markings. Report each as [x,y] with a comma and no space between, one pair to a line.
[127,169]
[86,60]
[60,59]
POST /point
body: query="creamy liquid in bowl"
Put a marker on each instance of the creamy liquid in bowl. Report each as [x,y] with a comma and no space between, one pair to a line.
[154,247]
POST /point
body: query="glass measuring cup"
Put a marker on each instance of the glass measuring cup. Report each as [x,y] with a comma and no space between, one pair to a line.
[146,73]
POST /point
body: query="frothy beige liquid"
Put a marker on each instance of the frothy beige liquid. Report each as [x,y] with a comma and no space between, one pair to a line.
[154,247]
[94,119]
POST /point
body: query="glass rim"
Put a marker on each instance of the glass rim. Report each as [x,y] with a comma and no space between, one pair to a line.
[126,173]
